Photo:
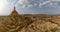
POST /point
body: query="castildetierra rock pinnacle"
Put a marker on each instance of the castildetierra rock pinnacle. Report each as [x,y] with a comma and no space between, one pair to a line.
[14,13]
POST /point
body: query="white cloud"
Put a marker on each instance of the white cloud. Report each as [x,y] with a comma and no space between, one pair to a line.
[55,0]
[29,6]
[51,3]
[32,3]
[44,3]
[27,3]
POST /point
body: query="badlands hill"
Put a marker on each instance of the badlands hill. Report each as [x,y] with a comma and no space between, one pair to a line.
[33,23]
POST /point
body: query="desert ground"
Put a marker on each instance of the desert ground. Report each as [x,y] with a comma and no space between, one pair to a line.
[31,23]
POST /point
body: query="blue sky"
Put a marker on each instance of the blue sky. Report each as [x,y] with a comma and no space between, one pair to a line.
[31,6]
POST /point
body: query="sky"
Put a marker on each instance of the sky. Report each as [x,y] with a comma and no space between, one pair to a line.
[30,6]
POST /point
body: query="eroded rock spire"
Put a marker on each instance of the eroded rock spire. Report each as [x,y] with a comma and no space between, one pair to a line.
[14,12]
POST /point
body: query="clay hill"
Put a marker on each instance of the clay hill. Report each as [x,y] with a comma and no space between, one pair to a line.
[32,23]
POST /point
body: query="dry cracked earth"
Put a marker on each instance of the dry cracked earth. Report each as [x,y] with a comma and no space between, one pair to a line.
[32,23]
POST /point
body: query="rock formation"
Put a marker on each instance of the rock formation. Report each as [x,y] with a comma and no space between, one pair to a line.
[18,23]
[14,13]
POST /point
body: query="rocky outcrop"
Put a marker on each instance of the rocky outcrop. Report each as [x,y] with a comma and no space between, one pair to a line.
[18,23]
